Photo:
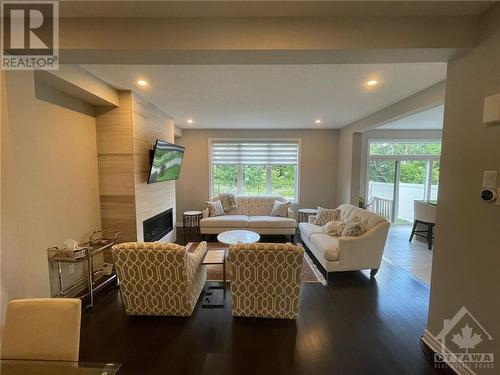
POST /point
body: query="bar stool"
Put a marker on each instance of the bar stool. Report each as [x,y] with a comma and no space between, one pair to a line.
[425,215]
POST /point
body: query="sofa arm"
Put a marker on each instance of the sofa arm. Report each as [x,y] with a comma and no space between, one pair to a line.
[366,250]
[196,257]
[311,218]
[205,213]
[291,214]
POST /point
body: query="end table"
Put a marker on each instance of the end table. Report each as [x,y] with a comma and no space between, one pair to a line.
[304,213]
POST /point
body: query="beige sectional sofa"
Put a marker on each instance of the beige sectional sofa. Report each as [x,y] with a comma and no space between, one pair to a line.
[348,253]
[253,213]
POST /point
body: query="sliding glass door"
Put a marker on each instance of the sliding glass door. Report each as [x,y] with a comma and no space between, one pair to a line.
[398,173]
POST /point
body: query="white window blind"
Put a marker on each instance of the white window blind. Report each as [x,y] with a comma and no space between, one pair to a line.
[255,153]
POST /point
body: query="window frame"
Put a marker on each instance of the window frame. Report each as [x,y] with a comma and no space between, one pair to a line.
[298,141]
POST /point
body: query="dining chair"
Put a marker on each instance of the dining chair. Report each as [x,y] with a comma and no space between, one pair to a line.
[425,215]
[42,329]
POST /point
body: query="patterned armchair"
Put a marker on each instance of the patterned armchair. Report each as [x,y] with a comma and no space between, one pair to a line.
[265,280]
[158,278]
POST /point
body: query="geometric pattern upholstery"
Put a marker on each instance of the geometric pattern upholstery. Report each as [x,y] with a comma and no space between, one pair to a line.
[158,278]
[266,279]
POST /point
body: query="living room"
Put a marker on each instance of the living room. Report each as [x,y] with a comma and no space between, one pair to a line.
[240,139]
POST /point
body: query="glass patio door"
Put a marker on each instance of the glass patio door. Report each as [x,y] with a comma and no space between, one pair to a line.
[399,173]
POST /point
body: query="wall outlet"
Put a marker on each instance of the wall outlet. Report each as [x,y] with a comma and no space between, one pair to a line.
[71,269]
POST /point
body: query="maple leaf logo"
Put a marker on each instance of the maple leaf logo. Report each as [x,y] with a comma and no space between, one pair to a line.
[467,339]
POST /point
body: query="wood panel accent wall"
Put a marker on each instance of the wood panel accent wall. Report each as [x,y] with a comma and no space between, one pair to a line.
[124,137]
[149,123]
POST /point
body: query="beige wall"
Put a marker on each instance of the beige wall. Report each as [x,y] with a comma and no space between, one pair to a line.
[318,165]
[467,250]
[49,184]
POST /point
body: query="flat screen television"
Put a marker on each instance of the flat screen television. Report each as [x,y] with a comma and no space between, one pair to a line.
[166,162]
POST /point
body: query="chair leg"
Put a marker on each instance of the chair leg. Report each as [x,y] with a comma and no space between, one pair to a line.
[430,235]
[373,272]
[415,223]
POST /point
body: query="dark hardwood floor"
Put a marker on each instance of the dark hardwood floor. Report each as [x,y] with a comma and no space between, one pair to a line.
[354,325]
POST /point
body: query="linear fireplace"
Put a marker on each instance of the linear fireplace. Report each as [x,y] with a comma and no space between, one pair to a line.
[158,226]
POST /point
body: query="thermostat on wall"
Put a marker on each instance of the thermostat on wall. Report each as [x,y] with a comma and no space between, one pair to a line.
[491,112]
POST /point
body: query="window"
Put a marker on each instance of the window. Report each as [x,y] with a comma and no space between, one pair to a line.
[255,168]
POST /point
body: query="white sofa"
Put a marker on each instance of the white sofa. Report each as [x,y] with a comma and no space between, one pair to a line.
[348,253]
[253,213]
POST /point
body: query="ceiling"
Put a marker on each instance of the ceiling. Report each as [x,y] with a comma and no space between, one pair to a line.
[429,119]
[270,8]
[271,96]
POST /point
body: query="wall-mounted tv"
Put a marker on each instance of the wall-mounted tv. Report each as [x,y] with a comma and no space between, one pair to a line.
[166,162]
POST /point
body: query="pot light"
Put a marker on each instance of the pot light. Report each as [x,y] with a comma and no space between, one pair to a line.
[317,121]
[142,82]
[190,121]
[372,82]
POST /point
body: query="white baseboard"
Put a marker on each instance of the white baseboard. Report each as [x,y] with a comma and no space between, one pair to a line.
[435,345]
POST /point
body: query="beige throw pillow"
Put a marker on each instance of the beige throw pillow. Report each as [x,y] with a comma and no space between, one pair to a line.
[215,208]
[353,229]
[333,228]
[280,209]
[326,214]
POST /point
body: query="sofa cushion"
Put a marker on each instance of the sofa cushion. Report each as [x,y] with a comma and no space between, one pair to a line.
[307,229]
[271,222]
[325,215]
[280,209]
[367,219]
[215,208]
[225,221]
[328,245]
[256,205]
[333,228]
[352,229]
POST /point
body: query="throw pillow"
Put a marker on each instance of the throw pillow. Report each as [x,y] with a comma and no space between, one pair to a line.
[228,201]
[333,228]
[215,208]
[280,209]
[325,215]
[352,229]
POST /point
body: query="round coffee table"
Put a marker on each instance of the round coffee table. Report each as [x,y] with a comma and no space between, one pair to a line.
[232,237]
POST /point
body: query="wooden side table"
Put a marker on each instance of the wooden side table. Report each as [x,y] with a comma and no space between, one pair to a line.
[215,295]
[304,213]
[191,220]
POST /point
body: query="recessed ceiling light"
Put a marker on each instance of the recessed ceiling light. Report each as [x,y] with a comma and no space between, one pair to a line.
[317,121]
[189,121]
[372,82]
[142,82]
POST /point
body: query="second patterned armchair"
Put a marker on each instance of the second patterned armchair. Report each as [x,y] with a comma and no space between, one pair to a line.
[158,278]
[266,279]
